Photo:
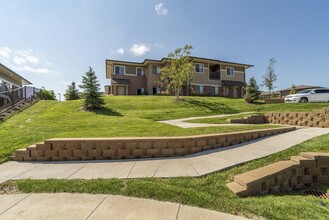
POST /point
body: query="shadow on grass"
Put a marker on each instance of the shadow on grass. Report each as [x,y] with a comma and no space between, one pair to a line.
[106,111]
[214,107]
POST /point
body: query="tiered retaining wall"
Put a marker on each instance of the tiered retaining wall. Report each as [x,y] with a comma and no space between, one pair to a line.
[284,176]
[319,118]
[253,119]
[122,148]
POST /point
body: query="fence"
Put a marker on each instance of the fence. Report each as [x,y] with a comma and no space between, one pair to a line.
[11,96]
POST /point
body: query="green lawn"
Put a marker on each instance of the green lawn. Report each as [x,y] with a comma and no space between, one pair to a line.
[208,192]
[124,116]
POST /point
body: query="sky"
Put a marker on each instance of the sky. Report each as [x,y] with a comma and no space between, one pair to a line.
[52,43]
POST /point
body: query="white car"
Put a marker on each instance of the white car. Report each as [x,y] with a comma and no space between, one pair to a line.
[309,95]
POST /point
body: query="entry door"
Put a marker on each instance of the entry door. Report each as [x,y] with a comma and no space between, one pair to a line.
[121,90]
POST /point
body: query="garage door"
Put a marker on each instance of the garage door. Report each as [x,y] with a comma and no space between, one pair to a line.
[121,90]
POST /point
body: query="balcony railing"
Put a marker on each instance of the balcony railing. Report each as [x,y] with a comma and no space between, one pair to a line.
[214,75]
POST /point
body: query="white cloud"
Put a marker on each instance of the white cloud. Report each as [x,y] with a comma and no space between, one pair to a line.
[24,61]
[160,45]
[139,49]
[33,69]
[120,51]
[5,52]
[160,9]
[28,56]
[19,60]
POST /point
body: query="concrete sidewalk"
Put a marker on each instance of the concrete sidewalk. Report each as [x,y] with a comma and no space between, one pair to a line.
[183,124]
[86,206]
[193,165]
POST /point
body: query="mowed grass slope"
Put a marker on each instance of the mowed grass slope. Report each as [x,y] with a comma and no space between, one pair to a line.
[123,116]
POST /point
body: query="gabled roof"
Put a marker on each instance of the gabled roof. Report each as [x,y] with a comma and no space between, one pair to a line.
[10,73]
[300,87]
[146,61]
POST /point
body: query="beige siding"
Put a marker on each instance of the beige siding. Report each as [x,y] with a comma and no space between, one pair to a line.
[152,78]
[238,76]
[9,79]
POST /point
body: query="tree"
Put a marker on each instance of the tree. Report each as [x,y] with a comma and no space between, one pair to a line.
[179,71]
[72,92]
[252,91]
[270,77]
[91,92]
[46,94]
[293,89]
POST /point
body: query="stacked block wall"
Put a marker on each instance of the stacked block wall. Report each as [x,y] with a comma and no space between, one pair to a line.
[253,119]
[307,169]
[122,148]
[318,118]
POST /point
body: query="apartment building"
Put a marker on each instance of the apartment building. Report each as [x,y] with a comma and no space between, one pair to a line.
[212,78]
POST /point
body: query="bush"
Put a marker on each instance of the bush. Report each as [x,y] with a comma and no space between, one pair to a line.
[46,94]
[252,91]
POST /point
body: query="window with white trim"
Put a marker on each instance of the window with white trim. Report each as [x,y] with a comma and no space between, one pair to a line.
[140,71]
[230,71]
[156,70]
[199,89]
[199,68]
[119,70]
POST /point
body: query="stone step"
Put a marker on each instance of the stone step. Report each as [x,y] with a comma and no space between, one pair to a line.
[304,161]
[238,189]
[252,176]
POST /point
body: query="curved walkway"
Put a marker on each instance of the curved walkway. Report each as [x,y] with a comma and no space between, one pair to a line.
[183,124]
[86,206]
[193,165]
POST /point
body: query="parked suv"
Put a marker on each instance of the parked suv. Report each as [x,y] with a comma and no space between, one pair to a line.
[309,95]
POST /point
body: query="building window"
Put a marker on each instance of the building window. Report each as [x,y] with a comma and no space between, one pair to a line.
[119,70]
[199,90]
[140,71]
[199,68]
[156,90]
[155,69]
[230,71]
[215,90]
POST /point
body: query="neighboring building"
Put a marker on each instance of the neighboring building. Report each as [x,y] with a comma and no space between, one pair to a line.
[213,77]
[10,82]
[267,95]
[284,92]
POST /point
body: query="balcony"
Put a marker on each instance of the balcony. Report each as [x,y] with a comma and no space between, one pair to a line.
[214,75]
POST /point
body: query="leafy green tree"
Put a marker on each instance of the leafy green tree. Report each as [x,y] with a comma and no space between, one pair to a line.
[91,91]
[252,91]
[46,94]
[179,71]
[72,93]
[270,77]
[293,89]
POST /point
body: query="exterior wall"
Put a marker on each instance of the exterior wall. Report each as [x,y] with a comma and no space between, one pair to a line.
[201,79]
[284,176]
[125,148]
[152,78]
[318,118]
[135,83]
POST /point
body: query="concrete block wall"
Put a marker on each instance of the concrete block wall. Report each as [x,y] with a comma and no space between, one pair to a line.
[67,149]
[319,118]
[307,169]
[253,119]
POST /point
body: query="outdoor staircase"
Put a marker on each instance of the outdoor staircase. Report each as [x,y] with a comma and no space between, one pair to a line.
[12,109]
[300,171]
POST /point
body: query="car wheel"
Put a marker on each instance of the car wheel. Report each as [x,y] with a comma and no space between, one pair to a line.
[303,100]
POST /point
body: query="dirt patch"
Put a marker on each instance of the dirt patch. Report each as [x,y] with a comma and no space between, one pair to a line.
[8,187]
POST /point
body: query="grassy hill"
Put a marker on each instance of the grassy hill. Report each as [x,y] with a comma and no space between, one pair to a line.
[123,116]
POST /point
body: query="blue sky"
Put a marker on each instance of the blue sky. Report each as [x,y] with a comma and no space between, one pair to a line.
[52,43]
